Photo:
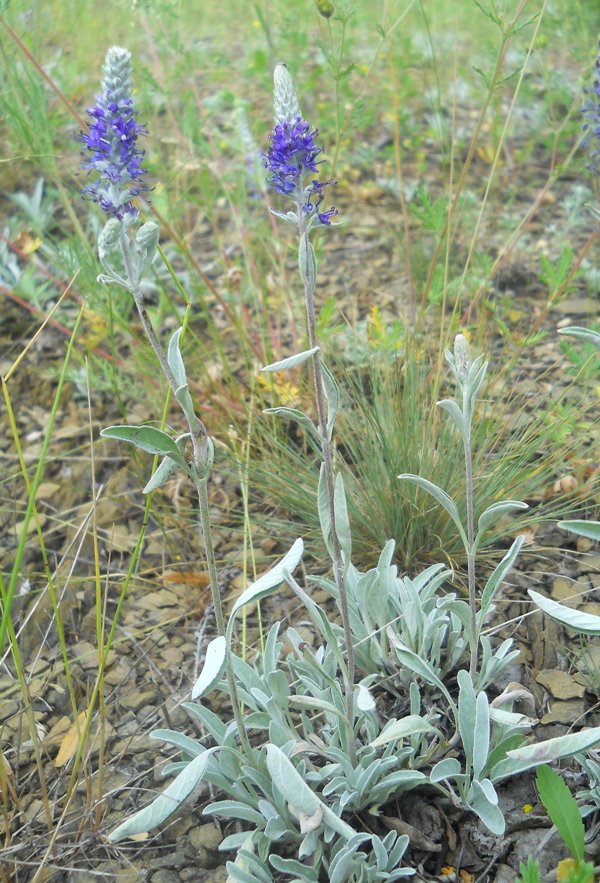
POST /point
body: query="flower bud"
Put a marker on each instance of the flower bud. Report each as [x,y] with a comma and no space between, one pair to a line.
[285,103]
[325,8]
[462,356]
[109,237]
[147,237]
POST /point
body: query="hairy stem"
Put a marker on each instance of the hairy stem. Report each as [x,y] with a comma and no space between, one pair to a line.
[470,528]
[200,444]
[338,564]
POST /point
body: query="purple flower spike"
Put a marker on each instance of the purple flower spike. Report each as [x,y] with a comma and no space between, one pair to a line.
[293,153]
[591,124]
[110,143]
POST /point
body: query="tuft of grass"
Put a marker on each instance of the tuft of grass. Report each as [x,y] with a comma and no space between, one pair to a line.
[389,424]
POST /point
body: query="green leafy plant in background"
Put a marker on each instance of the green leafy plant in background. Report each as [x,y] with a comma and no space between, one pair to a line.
[565,815]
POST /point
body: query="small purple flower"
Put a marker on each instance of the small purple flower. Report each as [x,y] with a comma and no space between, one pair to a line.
[591,125]
[110,143]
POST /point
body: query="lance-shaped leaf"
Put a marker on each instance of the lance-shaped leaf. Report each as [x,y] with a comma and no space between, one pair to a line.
[291,361]
[307,263]
[456,415]
[584,623]
[296,415]
[589,529]
[497,577]
[489,517]
[332,394]
[166,468]
[175,359]
[267,583]
[394,731]
[215,663]
[529,756]
[147,438]
[167,803]
[292,787]
[583,333]
[442,498]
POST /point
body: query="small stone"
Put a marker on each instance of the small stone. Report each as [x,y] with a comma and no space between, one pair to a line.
[134,699]
[568,591]
[172,657]
[564,712]
[560,684]
[207,836]
[590,563]
[165,876]
[87,655]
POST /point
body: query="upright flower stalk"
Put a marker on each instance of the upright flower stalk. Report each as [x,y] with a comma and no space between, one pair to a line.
[111,152]
[591,120]
[292,162]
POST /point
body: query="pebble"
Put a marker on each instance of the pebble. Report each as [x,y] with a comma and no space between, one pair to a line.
[560,684]
[564,712]
[165,876]
[566,591]
[134,699]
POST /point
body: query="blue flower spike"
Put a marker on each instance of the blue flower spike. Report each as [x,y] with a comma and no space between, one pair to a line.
[111,149]
[292,156]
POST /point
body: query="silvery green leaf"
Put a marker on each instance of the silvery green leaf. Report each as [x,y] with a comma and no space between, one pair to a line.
[179,740]
[583,333]
[487,809]
[292,787]
[290,866]
[182,394]
[489,517]
[364,699]
[167,803]
[307,262]
[165,470]
[233,841]
[419,666]
[291,217]
[291,361]
[467,711]
[456,415]
[445,769]
[234,809]
[290,784]
[268,582]
[442,498]
[247,868]
[323,510]
[293,414]
[175,360]
[148,438]
[529,756]
[481,745]
[498,576]
[589,529]
[208,719]
[209,457]
[314,702]
[342,522]
[332,394]
[510,720]
[408,726]
[215,663]
[584,623]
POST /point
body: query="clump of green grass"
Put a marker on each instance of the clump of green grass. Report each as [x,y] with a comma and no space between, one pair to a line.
[389,424]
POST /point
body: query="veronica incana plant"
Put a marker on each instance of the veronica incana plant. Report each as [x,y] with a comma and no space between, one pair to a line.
[308,753]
